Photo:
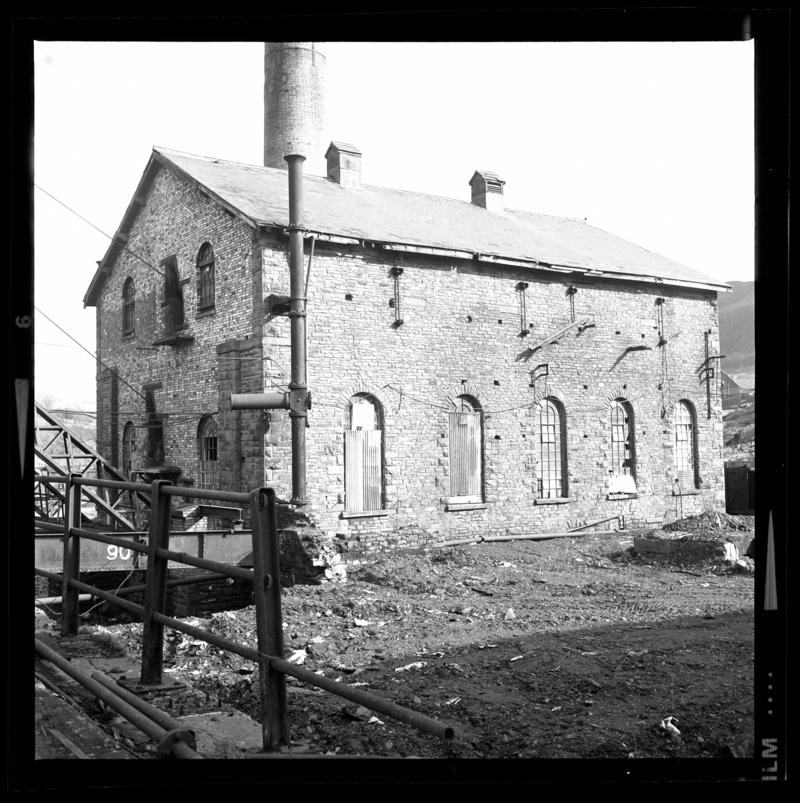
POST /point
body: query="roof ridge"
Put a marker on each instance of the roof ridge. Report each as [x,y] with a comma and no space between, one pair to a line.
[213,159]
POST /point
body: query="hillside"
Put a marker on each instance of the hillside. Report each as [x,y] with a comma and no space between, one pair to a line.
[737,332]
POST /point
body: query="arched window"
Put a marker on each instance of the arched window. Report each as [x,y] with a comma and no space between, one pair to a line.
[128,448]
[466,445]
[205,278]
[128,307]
[207,453]
[623,447]
[363,455]
[552,478]
[686,468]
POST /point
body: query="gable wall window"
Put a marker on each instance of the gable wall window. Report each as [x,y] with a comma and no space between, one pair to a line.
[466,445]
[128,307]
[207,452]
[205,278]
[550,425]
[686,464]
[363,453]
[173,297]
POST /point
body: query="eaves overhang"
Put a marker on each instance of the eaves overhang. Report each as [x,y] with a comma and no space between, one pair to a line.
[497,259]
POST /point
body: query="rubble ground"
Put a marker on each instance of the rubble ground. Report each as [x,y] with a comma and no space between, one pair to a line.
[569,647]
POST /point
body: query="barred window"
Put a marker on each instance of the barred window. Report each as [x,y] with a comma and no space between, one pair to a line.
[128,307]
[363,453]
[685,446]
[623,454]
[466,442]
[552,450]
[207,452]
[128,448]
[205,278]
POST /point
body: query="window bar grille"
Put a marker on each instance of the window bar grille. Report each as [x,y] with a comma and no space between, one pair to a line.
[685,464]
[621,441]
[205,268]
[208,448]
[550,480]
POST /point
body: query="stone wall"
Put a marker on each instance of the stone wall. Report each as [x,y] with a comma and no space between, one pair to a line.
[461,335]
[193,377]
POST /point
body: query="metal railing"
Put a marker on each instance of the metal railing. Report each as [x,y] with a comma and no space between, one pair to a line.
[264,576]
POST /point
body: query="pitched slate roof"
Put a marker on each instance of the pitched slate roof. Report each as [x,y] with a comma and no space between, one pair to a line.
[413,220]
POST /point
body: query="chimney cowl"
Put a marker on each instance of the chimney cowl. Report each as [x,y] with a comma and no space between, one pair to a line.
[487,190]
[344,164]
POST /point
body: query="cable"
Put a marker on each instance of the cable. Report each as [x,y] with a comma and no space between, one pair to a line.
[88,352]
[96,228]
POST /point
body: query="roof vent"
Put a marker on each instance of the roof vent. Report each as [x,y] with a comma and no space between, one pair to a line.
[344,164]
[487,190]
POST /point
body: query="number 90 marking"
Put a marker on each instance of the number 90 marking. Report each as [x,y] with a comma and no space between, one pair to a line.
[121,552]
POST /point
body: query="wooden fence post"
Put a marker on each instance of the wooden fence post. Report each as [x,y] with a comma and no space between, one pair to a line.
[269,622]
[155,595]
[70,606]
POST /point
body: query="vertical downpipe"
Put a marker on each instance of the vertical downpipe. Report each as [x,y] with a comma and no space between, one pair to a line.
[297,316]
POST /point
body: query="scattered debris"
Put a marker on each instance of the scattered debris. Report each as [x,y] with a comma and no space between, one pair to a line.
[298,657]
[415,665]
[336,629]
[668,727]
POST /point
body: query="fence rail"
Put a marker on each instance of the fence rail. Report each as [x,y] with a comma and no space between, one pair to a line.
[264,576]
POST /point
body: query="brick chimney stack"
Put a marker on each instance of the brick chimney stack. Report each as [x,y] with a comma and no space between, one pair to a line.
[294,104]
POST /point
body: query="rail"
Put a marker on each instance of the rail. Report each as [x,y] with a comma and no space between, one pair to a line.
[264,576]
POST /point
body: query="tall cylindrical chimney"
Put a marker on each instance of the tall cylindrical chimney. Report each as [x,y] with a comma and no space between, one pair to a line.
[294,105]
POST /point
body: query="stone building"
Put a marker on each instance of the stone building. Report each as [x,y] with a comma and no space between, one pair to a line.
[474,370]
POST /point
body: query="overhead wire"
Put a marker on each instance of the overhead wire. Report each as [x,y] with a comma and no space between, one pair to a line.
[403,394]
[88,352]
[97,228]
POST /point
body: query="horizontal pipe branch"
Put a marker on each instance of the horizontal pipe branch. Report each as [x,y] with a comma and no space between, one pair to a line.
[192,493]
[177,581]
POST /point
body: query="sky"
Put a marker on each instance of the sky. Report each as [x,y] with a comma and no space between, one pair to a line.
[650,141]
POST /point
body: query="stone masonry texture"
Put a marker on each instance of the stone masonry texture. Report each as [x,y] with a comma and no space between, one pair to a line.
[460,334]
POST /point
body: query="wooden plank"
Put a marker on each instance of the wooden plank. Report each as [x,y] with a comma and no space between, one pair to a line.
[354,470]
[373,490]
